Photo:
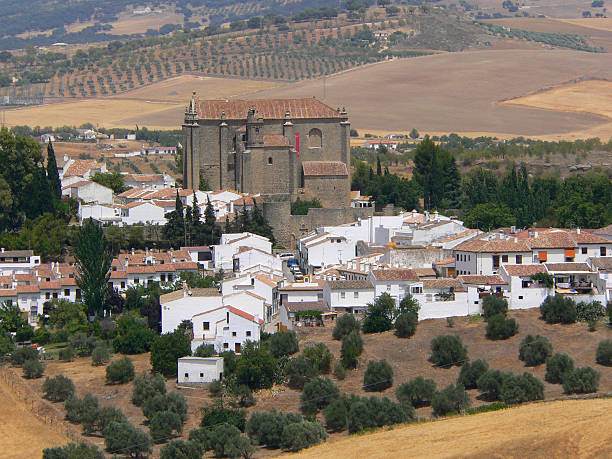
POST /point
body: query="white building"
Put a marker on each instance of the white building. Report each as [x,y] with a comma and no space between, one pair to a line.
[17,261]
[88,192]
[322,250]
[200,369]
[184,304]
[524,293]
[100,212]
[226,328]
[150,181]
[247,257]
[484,256]
[395,282]
[348,296]
[230,244]
[143,212]
[443,297]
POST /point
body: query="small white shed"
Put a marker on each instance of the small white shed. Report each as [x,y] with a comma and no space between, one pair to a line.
[200,369]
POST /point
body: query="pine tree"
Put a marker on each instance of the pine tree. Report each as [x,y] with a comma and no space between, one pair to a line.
[53,178]
[174,229]
[195,223]
[39,199]
[378,167]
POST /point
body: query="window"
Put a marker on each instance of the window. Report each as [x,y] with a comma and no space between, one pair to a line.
[342,295]
[186,375]
[248,333]
[416,290]
[315,138]
[457,257]
[525,284]
[162,277]
[66,292]
[504,258]
[122,284]
[136,280]
[201,375]
[356,295]
[225,346]
[602,251]
[388,287]
[169,277]
[520,297]
[270,160]
[55,295]
[233,333]
[584,251]
[519,259]
[48,295]
[227,317]
[495,261]
[206,325]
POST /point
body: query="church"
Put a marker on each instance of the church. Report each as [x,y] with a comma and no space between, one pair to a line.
[281,148]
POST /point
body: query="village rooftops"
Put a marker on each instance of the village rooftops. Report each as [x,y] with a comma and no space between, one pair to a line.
[496,245]
[15,254]
[302,306]
[270,109]
[395,274]
[524,270]
[476,279]
[302,286]
[238,312]
[442,282]
[602,263]
[192,292]
[551,240]
[349,284]
[606,230]
[568,268]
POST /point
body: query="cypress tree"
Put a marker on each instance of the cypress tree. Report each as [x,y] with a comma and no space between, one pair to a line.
[174,229]
[53,178]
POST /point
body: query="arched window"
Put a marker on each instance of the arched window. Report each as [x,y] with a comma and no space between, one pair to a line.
[270,160]
[315,138]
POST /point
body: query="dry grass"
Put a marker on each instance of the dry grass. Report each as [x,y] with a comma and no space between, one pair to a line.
[591,23]
[129,24]
[158,106]
[23,436]
[572,428]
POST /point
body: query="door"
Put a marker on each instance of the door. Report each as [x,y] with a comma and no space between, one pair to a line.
[237,348]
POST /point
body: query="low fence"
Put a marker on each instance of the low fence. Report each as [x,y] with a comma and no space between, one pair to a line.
[43,410]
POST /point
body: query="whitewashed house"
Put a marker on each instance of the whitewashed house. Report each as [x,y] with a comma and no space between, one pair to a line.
[443,297]
[396,282]
[17,261]
[485,255]
[479,286]
[88,192]
[184,304]
[143,212]
[348,296]
[247,257]
[198,370]
[322,250]
[102,213]
[230,244]
[524,293]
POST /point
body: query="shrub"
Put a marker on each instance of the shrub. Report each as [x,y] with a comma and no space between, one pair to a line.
[21,354]
[603,355]
[147,386]
[216,414]
[256,367]
[204,350]
[590,312]
[163,424]
[298,371]
[120,371]
[448,350]
[511,392]
[378,376]
[266,428]
[347,323]
[60,336]
[583,380]
[491,384]
[498,327]
[558,367]
[283,344]
[41,336]
[100,355]
[105,416]
[82,344]
[124,438]
[80,409]
[167,349]
[73,451]
[300,435]
[24,333]
[173,402]
[558,309]
[177,403]
[58,389]
[452,399]
[534,350]
[182,449]
[33,369]
[66,354]
[493,305]
[377,412]
[352,347]
[317,394]
[339,371]
[418,392]
[215,388]
[471,371]
[244,396]
[239,447]
[201,437]
[378,316]
[533,387]
[406,324]
[222,437]
[319,356]
[336,415]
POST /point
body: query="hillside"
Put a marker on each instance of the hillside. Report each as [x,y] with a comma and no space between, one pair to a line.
[572,428]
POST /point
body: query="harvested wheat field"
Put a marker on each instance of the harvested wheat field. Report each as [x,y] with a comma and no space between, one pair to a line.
[22,435]
[157,106]
[458,92]
[570,428]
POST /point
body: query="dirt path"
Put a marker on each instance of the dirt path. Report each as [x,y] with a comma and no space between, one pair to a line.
[571,428]
[22,435]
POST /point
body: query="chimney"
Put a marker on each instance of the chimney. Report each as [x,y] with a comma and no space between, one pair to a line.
[535,234]
[132,250]
[515,239]
[577,230]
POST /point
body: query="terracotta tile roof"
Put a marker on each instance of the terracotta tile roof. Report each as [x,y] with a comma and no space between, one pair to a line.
[118,275]
[81,166]
[6,281]
[78,184]
[8,292]
[424,272]
[266,280]
[164,268]
[585,237]
[297,287]
[354,194]
[196,247]
[275,140]
[446,261]
[350,284]
[68,281]
[272,109]
[27,289]
[492,246]
[195,292]
[66,270]
[299,306]
[568,267]
[25,278]
[183,255]
[248,201]
[524,270]
[324,168]
[551,240]
[172,296]
[476,279]
[52,285]
[602,263]
[16,253]
[185,265]
[204,292]
[147,269]
[395,274]
[442,282]
[238,312]
[606,230]
[246,292]
[138,204]
[459,235]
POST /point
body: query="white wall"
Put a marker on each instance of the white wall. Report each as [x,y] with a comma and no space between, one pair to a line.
[432,309]
[144,213]
[199,369]
[174,312]
[222,331]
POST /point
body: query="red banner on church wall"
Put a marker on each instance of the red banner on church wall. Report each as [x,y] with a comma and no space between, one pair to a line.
[297,143]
